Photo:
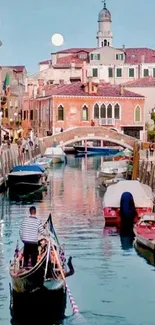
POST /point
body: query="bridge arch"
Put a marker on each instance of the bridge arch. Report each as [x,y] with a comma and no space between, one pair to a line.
[73,141]
[76,134]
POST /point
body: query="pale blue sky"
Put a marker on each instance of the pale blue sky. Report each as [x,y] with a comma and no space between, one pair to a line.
[27,26]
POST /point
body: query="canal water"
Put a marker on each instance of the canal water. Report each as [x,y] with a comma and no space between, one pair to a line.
[112,284]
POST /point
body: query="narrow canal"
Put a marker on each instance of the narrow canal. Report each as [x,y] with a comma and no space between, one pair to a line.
[112,284]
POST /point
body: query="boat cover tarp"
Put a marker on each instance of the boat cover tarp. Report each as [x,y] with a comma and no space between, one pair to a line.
[54,151]
[28,168]
[142,194]
[114,164]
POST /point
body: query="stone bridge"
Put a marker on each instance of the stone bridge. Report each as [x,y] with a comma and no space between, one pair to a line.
[71,136]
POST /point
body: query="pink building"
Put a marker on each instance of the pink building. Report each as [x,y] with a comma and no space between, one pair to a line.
[76,104]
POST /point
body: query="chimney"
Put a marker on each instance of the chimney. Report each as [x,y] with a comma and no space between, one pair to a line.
[121,90]
[40,86]
[123,47]
[30,89]
[142,58]
[54,58]
[139,71]
[90,86]
[84,73]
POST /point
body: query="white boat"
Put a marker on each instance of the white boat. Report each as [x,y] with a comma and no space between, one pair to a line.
[142,194]
[44,162]
[110,169]
[145,231]
[57,155]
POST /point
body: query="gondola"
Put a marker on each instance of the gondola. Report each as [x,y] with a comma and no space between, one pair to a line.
[50,270]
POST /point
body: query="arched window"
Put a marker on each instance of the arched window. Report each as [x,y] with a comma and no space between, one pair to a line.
[96,111]
[137,114]
[103,111]
[117,112]
[109,111]
[84,113]
[60,113]
[105,42]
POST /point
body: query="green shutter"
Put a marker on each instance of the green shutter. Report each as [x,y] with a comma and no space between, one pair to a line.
[146,72]
[153,72]
[117,58]
[119,73]
[91,56]
[137,114]
[110,72]
[131,73]
[98,56]
[95,73]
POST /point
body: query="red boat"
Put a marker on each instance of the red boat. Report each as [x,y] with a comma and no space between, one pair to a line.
[144,231]
[142,194]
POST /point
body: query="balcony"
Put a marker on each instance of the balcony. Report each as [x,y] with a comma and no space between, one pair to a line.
[106,121]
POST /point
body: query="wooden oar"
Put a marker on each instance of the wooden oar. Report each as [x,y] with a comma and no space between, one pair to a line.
[72,301]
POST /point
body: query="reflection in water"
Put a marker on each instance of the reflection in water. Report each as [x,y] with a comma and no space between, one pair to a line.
[105,276]
[127,242]
[39,307]
[147,254]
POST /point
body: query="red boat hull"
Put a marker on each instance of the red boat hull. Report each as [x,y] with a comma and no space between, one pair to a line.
[112,217]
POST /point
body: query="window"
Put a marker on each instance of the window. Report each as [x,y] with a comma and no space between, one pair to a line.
[109,111]
[146,72]
[31,115]
[95,73]
[153,72]
[110,72]
[85,113]
[102,44]
[117,112]
[60,113]
[137,114]
[83,56]
[6,112]
[119,56]
[131,72]
[24,115]
[103,111]
[105,42]
[96,111]
[119,73]
[95,56]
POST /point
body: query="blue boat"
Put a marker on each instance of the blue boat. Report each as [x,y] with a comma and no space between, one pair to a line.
[25,179]
[107,151]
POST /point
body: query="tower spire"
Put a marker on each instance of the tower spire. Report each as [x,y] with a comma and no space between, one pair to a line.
[104,4]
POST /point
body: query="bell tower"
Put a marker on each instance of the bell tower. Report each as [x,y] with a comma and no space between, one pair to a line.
[104,34]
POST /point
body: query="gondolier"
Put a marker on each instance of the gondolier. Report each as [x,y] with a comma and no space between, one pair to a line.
[30,229]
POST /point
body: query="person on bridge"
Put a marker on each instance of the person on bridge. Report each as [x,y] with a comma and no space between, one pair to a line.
[29,231]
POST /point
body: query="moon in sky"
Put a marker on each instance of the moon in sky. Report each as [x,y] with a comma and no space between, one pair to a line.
[57,40]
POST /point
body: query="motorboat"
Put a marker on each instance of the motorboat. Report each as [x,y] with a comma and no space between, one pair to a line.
[56,154]
[110,169]
[107,151]
[142,194]
[123,155]
[26,178]
[144,231]
[45,162]
[115,180]
[50,270]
